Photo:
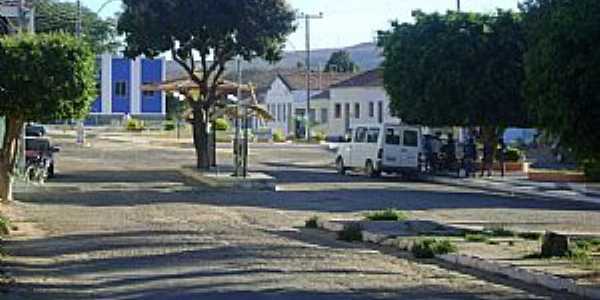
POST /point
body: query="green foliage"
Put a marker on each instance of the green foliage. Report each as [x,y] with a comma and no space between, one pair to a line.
[312,222]
[45,77]
[53,16]
[340,61]
[427,249]
[513,155]
[169,125]
[278,137]
[592,170]
[534,236]
[456,70]
[477,238]
[563,70]
[320,136]
[387,215]
[134,124]
[351,233]
[498,232]
[4,226]
[221,124]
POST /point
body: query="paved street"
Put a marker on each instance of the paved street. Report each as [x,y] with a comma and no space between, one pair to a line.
[119,222]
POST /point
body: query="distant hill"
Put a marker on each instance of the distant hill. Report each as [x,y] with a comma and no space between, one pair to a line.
[367,56]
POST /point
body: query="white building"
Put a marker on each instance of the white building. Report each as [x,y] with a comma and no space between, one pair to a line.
[286,100]
[361,99]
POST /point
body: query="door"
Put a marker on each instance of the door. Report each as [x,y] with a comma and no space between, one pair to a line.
[410,148]
[359,147]
[392,154]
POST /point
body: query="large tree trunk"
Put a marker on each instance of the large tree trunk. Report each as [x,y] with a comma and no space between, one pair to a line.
[489,137]
[8,157]
[202,139]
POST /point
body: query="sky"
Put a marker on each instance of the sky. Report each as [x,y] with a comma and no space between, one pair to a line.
[350,22]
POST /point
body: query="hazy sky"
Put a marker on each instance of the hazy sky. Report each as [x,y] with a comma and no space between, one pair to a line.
[349,22]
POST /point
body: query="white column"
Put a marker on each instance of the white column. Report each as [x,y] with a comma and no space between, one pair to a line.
[163,78]
[136,85]
[106,84]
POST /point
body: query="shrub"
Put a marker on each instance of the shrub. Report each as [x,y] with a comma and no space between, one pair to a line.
[312,222]
[476,238]
[134,125]
[499,232]
[592,170]
[320,137]
[221,124]
[387,215]
[351,233]
[534,236]
[169,126]
[4,226]
[512,155]
[278,137]
[430,248]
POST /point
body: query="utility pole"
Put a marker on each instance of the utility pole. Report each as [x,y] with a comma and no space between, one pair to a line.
[307,18]
[78,23]
[458,5]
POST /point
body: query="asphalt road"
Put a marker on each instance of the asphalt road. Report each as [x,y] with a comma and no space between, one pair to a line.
[121,223]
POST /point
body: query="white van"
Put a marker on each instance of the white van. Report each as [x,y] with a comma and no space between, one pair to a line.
[385,148]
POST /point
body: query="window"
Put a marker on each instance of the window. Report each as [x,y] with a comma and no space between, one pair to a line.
[338,111]
[285,116]
[324,116]
[411,138]
[371,109]
[312,117]
[121,89]
[357,110]
[279,113]
[361,135]
[148,93]
[380,112]
[392,136]
[373,136]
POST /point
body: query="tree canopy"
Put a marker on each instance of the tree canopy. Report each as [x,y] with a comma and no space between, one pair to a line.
[45,77]
[341,61]
[211,31]
[563,71]
[456,69]
[59,16]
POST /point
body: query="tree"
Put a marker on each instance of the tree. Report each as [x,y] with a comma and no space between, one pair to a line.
[45,77]
[340,61]
[457,70]
[562,67]
[215,31]
[57,16]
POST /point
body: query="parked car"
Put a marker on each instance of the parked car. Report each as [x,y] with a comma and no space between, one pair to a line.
[37,149]
[386,148]
[35,130]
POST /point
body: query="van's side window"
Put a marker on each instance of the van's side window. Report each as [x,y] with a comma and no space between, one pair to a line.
[392,137]
[361,135]
[373,136]
[411,138]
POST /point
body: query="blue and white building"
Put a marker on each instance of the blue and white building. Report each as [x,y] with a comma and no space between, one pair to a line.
[119,88]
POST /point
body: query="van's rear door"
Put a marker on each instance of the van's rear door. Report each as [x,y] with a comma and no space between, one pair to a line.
[392,152]
[410,147]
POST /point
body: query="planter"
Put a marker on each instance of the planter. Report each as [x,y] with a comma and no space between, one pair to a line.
[555,176]
[509,166]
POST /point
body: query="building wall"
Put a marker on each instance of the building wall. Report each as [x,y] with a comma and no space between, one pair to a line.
[152,102]
[279,102]
[362,96]
[121,74]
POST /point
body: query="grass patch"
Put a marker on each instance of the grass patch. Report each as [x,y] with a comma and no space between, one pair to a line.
[476,238]
[351,233]
[494,243]
[532,236]
[499,232]
[387,215]
[430,248]
[312,222]
[4,226]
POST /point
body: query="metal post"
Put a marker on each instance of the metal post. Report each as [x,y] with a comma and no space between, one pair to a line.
[307,18]
[237,143]
[458,5]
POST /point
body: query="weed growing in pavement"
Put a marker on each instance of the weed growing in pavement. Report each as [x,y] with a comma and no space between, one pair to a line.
[312,222]
[533,236]
[430,248]
[4,226]
[387,215]
[351,233]
[499,232]
[476,238]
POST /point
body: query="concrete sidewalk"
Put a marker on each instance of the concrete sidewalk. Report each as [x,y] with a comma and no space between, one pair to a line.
[519,185]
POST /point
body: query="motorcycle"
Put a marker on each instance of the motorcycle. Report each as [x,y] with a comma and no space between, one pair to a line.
[37,169]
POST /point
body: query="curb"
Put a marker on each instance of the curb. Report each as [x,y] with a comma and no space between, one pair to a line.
[536,278]
[265,184]
[514,192]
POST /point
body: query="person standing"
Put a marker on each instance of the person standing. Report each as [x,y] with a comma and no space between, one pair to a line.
[502,156]
[487,163]
[436,148]
[470,155]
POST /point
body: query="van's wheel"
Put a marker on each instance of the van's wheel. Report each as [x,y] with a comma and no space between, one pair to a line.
[339,165]
[370,170]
